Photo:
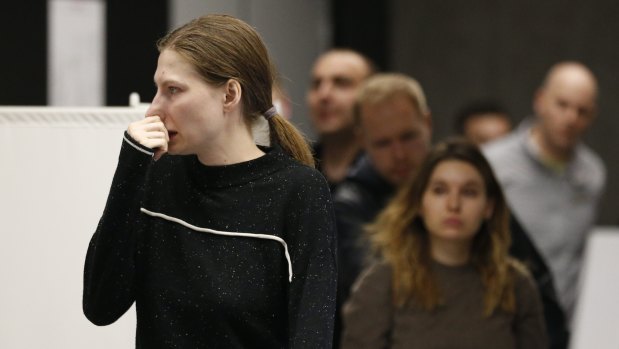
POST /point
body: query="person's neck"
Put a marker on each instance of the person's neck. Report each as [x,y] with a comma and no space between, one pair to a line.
[450,252]
[548,152]
[338,153]
[232,147]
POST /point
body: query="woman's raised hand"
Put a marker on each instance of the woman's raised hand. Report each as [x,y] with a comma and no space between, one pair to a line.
[150,132]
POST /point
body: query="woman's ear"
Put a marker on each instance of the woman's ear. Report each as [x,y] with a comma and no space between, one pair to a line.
[232,96]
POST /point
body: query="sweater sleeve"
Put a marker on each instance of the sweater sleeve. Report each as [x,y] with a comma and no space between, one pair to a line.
[109,271]
[311,236]
[529,329]
[368,314]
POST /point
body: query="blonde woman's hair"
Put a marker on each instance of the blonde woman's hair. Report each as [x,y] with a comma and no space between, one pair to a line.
[400,236]
[221,48]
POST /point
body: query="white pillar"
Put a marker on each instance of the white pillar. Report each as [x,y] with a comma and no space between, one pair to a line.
[76,53]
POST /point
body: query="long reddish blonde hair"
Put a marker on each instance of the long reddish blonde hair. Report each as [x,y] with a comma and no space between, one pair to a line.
[401,239]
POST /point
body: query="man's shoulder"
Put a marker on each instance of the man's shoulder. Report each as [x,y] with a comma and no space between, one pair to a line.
[590,167]
[362,185]
[351,191]
[590,159]
[362,194]
[507,155]
[502,147]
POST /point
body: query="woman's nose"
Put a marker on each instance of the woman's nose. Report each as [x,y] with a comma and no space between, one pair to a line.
[155,107]
[453,202]
[398,151]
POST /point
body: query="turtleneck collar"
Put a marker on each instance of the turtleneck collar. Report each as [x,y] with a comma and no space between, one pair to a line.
[239,173]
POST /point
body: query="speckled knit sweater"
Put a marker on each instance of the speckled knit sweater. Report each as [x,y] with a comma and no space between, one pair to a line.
[236,256]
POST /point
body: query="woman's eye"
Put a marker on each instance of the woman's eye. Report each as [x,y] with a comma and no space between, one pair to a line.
[438,190]
[470,192]
[173,90]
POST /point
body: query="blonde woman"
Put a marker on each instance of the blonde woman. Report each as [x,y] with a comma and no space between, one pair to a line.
[445,279]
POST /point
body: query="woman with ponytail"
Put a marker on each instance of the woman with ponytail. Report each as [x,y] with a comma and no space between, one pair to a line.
[221,242]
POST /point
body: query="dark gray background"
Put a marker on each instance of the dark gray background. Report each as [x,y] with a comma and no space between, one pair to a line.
[458,50]
[463,50]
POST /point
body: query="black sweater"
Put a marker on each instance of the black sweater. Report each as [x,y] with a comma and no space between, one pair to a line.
[203,251]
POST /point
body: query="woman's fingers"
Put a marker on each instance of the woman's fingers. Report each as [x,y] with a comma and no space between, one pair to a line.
[150,132]
[159,152]
[157,135]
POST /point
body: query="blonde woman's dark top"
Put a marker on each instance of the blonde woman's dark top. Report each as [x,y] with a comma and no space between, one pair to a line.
[372,321]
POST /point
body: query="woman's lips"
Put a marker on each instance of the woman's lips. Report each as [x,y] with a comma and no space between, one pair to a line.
[172,134]
[453,222]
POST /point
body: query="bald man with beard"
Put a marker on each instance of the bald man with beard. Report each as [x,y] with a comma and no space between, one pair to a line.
[552,181]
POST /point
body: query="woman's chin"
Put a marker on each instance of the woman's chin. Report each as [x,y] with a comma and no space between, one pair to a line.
[173,151]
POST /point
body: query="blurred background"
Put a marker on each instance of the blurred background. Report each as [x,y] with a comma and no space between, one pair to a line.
[93,53]
[96,52]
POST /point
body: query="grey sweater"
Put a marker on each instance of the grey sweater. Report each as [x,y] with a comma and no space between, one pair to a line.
[371,320]
[558,208]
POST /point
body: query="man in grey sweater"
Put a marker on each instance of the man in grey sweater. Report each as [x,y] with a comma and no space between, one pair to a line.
[552,181]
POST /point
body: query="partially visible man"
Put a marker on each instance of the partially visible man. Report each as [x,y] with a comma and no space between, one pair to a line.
[393,126]
[336,77]
[393,123]
[552,181]
[483,121]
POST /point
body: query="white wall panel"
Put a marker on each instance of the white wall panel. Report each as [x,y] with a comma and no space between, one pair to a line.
[56,170]
[596,322]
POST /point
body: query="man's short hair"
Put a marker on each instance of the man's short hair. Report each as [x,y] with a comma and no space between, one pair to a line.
[384,86]
[372,68]
[475,108]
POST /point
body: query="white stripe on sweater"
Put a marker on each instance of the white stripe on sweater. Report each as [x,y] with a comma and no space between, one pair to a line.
[137,147]
[226,233]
